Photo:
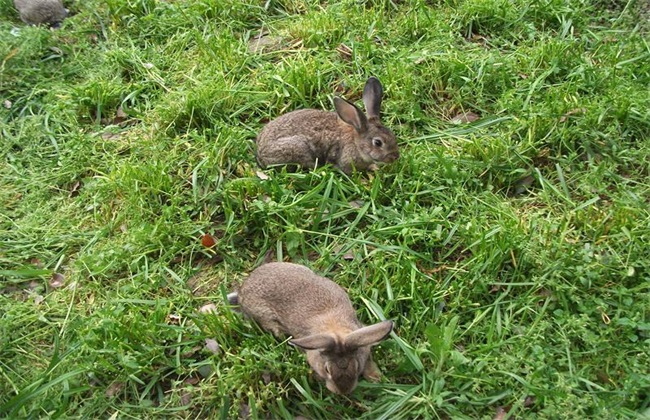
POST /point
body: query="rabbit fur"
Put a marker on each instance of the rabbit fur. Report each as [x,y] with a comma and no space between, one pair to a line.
[36,12]
[286,298]
[347,138]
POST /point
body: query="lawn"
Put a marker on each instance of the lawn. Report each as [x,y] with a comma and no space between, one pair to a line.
[509,242]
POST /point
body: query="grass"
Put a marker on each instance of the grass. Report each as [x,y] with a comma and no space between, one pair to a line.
[511,251]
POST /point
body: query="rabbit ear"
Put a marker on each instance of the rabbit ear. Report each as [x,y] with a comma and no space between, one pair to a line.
[369,335]
[350,114]
[372,94]
[315,342]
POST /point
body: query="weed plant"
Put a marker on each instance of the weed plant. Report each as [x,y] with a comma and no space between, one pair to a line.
[509,243]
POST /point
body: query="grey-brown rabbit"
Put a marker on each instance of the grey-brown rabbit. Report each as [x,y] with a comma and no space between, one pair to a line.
[345,138]
[37,12]
[287,298]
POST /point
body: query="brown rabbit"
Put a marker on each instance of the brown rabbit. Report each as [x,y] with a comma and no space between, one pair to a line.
[345,138]
[291,299]
[37,12]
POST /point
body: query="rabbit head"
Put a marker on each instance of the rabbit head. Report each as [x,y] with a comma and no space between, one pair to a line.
[340,359]
[375,142]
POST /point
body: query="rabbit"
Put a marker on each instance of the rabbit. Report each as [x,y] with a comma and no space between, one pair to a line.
[345,138]
[286,298]
[36,12]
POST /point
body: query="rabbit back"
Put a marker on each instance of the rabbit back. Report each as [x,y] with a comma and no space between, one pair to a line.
[290,299]
[306,137]
[36,12]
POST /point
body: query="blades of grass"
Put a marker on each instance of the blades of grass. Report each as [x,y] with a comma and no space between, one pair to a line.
[458,133]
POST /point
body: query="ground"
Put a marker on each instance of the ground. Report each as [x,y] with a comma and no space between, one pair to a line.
[509,243]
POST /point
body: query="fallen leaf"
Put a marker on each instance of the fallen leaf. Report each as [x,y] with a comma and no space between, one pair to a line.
[261,175]
[529,401]
[123,228]
[572,112]
[38,299]
[7,103]
[208,241]
[114,389]
[192,380]
[110,136]
[501,413]
[348,256]
[57,280]
[345,52]
[357,204]
[191,352]
[186,397]
[210,308]
[465,117]
[264,42]
[173,319]
[212,346]
[524,184]
[74,191]
[120,112]
[11,54]
[266,377]
[244,411]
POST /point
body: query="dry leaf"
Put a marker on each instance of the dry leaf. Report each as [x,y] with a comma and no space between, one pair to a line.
[110,136]
[191,352]
[57,280]
[264,42]
[208,241]
[114,389]
[11,54]
[244,411]
[465,117]
[501,413]
[261,175]
[348,256]
[123,228]
[212,346]
[192,380]
[210,308]
[186,397]
[344,51]
[120,112]
[74,191]
[7,103]
[357,204]
[572,112]
[266,377]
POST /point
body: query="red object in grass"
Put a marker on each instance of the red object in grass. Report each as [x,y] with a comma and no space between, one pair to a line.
[208,241]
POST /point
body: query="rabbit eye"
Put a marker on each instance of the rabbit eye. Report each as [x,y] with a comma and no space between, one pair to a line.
[377,142]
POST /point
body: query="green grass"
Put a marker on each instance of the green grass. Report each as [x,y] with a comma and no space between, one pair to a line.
[512,251]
